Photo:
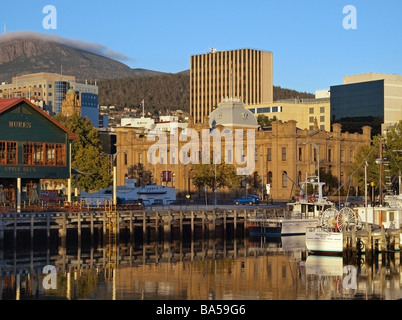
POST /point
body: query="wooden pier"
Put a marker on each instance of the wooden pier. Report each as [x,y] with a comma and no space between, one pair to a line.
[167,225]
[369,240]
[158,224]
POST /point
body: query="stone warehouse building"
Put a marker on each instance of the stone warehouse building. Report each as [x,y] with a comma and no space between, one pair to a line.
[282,156]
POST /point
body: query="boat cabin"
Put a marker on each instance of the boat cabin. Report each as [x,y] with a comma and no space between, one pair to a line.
[305,209]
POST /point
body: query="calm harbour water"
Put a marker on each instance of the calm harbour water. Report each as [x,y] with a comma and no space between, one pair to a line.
[209,269]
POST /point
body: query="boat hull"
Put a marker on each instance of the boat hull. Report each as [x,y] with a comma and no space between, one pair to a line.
[324,265]
[280,227]
[321,241]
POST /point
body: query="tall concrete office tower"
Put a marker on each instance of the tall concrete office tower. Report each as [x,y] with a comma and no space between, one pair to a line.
[246,74]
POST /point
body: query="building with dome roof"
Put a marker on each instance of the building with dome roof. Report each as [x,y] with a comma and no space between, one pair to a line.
[231,112]
[283,154]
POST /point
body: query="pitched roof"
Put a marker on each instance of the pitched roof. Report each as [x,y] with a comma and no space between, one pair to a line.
[6,104]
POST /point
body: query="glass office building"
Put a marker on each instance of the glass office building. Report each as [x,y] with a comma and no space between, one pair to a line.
[89,108]
[357,105]
[61,88]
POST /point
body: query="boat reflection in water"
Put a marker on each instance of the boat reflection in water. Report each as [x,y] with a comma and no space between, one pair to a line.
[221,269]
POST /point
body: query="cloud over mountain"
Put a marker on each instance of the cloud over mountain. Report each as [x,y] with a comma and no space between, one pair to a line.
[92,47]
[26,52]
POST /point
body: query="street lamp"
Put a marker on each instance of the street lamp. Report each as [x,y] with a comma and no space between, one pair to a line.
[317,148]
[114,165]
[399,176]
[115,177]
[215,160]
[365,188]
[215,201]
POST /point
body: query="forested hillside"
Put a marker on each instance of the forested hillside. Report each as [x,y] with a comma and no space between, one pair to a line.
[163,92]
[169,91]
[283,93]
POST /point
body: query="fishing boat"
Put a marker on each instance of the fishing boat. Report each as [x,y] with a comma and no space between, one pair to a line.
[303,213]
[388,216]
[327,236]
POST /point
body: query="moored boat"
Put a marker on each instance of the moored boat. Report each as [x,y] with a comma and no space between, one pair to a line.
[305,212]
[327,237]
[129,193]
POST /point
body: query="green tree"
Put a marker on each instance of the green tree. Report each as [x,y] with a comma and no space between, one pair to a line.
[393,149]
[366,154]
[87,154]
[331,182]
[137,171]
[228,176]
[204,175]
[263,120]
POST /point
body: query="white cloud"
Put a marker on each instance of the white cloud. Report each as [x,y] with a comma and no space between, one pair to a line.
[92,47]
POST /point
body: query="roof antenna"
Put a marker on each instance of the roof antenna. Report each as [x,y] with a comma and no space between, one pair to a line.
[5,28]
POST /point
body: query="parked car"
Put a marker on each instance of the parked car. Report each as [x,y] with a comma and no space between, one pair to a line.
[247,199]
[354,201]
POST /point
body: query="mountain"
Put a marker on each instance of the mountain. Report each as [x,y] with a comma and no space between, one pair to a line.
[31,52]
[25,53]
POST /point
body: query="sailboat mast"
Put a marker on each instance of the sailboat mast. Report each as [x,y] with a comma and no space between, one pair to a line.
[381,170]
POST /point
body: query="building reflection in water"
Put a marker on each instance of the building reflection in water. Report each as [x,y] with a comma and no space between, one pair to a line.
[238,269]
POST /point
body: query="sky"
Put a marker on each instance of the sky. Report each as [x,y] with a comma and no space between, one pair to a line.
[314,42]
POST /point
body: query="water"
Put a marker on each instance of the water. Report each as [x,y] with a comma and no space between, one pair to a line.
[207,269]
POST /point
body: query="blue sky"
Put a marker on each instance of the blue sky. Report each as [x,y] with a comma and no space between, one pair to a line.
[312,50]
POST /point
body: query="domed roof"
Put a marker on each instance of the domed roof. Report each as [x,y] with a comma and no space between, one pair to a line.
[71,91]
[232,113]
